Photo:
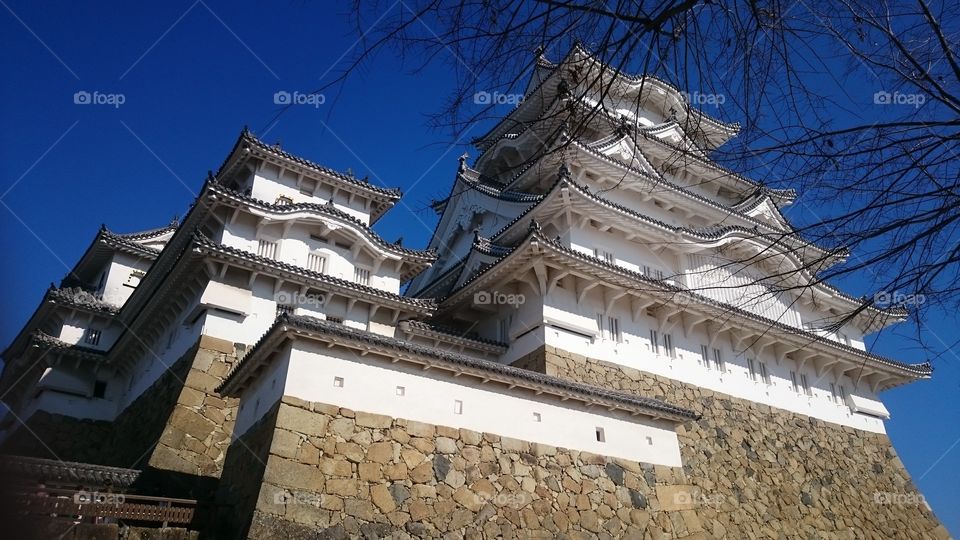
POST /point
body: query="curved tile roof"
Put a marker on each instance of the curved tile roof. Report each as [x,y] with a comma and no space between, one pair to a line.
[80,298]
[205,243]
[327,209]
[249,138]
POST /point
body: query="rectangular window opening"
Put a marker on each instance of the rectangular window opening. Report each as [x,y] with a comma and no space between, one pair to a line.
[764,374]
[601,436]
[361,275]
[718,361]
[457,406]
[316,262]
[654,342]
[92,337]
[401,391]
[668,346]
[99,389]
[536,417]
[338,382]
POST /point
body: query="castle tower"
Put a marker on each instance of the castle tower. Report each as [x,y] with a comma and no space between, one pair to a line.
[609,334]
[598,241]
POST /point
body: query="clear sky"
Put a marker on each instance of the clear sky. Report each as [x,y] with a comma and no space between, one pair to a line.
[191,75]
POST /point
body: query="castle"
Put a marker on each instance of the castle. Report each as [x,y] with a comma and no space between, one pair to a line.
[609,335]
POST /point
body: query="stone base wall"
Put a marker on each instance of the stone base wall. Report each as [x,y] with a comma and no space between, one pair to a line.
[763,472]
[54,436]
[334,472]
[178,424]
[193,430]
[240,485]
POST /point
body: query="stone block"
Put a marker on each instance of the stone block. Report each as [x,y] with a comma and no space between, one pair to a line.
[673,498]
[293,475]
[301,420]
[371,420]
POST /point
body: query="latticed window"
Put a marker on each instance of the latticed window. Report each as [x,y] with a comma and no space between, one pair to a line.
[315,262]
[361,275]
[284,309]
[266,248]
[283,200]
[92,337]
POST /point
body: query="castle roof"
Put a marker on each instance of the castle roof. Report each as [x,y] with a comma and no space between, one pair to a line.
[536,245]
[248,145]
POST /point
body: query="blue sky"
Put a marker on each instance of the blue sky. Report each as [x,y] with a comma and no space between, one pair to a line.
[191,75]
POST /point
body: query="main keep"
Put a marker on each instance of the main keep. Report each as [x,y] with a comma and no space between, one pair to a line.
[609,335]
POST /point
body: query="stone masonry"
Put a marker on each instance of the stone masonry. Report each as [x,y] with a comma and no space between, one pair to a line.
[320,471]
[177,431]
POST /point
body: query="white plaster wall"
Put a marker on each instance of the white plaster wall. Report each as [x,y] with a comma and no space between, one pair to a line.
[268,184]
[295,244]
[265,391]
[118,286]
[635,352]
[429,396]
[72,406]
[75,327]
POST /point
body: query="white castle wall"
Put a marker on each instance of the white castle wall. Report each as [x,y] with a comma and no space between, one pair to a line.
[371,385]
[268,184]
[294,245]
[572,326]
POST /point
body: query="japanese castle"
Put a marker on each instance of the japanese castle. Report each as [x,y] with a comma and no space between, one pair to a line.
[609,333]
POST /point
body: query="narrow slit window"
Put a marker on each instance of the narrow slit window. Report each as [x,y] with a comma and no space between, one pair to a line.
[614,329]
[718,361]
[752,369]
[705,356]
[601,436]
[764,374]
[805,384]
[457,406]
[793,382]
[654,342]
[668,346]
[833,393]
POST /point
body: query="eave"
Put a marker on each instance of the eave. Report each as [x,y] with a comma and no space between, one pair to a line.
[675,302]
[413,261]
[249,146]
